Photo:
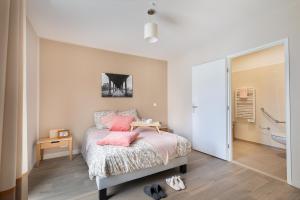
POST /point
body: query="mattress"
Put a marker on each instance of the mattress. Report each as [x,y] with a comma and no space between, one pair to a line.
[149,150]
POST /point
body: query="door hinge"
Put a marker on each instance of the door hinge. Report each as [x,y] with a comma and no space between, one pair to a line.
[227,69]
[228,108]
[228,146]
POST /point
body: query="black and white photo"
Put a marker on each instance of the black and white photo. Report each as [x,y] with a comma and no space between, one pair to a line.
[116,85]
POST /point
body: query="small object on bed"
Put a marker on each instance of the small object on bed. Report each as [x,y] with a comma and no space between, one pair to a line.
[119,139]
[156,125]
[147,121]
[165,129]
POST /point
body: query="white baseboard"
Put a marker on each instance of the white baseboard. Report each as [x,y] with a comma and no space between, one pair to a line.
[296,183]
[59,154]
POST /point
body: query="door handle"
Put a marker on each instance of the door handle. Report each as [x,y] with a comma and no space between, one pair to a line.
[194,106]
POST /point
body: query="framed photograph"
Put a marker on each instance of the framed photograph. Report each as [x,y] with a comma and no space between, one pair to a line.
[116,85]
[63,133]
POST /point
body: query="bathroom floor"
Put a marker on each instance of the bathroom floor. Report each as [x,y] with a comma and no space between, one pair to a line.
[269,160]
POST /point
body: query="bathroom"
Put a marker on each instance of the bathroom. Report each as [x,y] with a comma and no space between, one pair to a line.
[259,111]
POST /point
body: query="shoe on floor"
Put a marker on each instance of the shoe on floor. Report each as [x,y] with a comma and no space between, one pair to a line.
[158,189]
[151,192]
[173,183]
[180,182]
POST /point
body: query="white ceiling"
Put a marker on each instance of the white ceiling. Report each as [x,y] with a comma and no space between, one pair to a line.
[117,25]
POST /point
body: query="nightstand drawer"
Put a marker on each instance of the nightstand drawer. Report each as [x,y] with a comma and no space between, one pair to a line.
[54,144]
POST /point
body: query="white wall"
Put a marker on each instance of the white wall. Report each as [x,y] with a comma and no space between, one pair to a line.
[32,58]
[272,27]
[180,97]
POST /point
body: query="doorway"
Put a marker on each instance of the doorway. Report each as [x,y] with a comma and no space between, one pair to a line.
[259,122]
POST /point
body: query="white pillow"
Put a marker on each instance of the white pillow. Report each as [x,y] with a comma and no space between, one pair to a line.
[98,116]
[131,112]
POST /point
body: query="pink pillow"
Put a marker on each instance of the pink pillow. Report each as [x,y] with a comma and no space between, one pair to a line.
[108,120]
[119,139]
[121,123]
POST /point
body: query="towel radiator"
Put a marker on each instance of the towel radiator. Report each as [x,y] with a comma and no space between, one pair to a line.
[245,108]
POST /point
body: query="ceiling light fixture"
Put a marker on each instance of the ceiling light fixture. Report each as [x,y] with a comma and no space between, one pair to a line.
[151,28]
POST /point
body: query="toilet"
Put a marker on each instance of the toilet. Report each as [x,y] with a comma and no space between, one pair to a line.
[279,137]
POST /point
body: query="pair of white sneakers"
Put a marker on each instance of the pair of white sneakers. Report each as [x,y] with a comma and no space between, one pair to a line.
[176,183]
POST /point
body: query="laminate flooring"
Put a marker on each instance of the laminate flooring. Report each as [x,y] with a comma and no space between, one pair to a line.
[208,178]
[267,159]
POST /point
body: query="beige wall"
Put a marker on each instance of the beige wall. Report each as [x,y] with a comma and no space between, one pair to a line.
[269,84]
[70,86]
[272,27]
[264,58]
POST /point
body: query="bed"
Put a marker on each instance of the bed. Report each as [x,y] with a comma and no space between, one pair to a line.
[149,154]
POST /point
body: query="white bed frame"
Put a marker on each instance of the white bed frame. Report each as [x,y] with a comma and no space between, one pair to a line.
[105,182]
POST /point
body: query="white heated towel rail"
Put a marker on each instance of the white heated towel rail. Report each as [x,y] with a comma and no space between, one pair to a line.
[245,107]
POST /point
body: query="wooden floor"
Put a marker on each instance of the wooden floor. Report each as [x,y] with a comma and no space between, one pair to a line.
[261,157]
[208,178]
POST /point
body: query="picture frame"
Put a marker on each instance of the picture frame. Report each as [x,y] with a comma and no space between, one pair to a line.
[63,133]
[116,85]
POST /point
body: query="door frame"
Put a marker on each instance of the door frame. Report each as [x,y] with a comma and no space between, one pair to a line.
[285,43]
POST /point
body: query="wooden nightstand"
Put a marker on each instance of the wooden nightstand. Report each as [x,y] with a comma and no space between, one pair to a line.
[49,143]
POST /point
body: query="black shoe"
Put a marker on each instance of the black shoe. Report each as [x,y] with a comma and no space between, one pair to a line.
[151,192]
[158,189]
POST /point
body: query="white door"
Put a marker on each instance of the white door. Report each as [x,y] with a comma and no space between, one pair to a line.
[209,90]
